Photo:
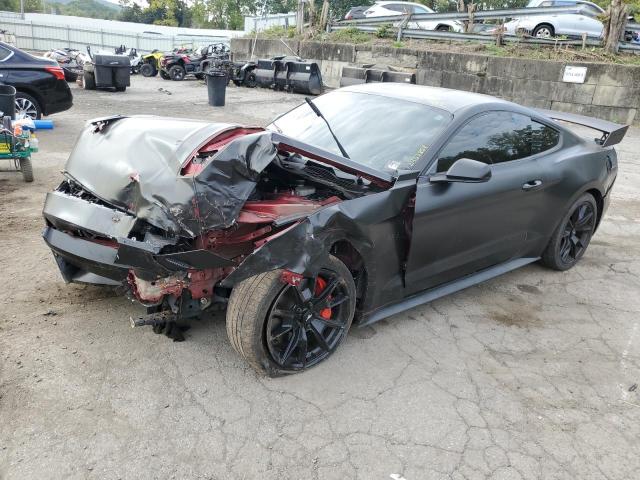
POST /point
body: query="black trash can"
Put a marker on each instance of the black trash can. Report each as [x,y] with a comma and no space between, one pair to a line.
[7,101]
[216,87]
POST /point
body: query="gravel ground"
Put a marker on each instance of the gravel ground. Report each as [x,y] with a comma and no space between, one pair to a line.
[531,375]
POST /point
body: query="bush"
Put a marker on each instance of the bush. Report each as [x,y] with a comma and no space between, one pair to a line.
[350,35]
[384,31]
[277,31]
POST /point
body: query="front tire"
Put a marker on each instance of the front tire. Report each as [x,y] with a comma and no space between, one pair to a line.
[278,332]
[164,75]
[544,30]
[148,70]
[570,240]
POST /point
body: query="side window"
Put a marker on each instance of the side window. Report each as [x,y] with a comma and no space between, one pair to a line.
[592,9]
[4,53]
[543,138]
[420,10]
[497,137]
[397,7]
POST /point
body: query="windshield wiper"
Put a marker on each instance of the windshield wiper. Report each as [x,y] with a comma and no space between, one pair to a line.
[317,111]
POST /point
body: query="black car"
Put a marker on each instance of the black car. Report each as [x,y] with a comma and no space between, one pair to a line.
[39,82]
[355,206]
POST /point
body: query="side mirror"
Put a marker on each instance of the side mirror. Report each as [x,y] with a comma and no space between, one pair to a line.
[464,170]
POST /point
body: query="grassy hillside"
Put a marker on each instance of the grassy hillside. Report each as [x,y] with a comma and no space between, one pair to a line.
[86,8]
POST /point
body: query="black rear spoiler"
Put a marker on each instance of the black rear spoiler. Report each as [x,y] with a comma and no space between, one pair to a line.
[612,133]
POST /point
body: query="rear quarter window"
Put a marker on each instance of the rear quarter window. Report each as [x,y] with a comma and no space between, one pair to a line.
[4,53]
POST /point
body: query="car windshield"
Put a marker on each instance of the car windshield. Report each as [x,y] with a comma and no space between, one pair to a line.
[380,132]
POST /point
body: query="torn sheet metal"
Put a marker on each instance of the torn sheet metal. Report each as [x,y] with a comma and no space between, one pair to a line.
[134,163]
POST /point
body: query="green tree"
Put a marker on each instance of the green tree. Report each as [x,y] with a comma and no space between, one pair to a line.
[9,5]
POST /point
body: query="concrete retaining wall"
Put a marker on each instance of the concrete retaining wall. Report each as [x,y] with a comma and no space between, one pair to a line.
[610,91]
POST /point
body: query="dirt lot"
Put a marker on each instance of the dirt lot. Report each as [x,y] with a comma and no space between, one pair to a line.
[532,375]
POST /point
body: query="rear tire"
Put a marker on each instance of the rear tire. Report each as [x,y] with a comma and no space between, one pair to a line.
[27,106]
[443,28]
[27,169]
[276,340]
[89,81]
[570,240]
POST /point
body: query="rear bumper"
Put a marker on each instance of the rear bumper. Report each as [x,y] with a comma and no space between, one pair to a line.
[58,99]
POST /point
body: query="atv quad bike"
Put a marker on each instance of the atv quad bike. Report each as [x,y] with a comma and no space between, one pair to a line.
[151,64]
[176,67]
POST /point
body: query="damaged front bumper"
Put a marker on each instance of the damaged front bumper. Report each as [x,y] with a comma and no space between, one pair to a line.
[91,244]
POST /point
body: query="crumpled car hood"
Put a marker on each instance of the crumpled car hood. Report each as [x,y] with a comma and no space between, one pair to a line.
[134,163]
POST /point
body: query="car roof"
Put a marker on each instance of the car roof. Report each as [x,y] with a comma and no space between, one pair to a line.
[443,98]
[535,3]
[387,2]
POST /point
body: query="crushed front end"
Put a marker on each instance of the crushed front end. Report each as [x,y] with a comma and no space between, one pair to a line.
[170,208]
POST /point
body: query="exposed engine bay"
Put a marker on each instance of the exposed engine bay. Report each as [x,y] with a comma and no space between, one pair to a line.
[173,244]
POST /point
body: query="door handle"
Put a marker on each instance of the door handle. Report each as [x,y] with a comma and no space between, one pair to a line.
[531,184]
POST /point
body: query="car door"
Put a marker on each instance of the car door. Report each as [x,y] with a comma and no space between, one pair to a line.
[565,23]
[423,24]
[460,228]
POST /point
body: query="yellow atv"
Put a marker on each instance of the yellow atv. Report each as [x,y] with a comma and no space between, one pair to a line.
[151,64]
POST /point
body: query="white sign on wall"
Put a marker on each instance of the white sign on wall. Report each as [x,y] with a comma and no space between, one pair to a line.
[574,74]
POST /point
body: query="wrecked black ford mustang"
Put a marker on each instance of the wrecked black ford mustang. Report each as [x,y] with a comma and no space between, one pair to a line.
[352,207]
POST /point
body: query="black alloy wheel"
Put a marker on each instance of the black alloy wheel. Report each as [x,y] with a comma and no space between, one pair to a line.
[577,233]
[304,327]
[571,238]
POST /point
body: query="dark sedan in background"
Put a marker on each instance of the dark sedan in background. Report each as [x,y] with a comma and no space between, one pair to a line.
[39,82]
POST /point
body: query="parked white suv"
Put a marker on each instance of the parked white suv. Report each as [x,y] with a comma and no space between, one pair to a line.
[389,9]
[569,24]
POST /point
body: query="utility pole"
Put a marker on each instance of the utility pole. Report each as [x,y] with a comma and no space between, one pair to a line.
[22,9]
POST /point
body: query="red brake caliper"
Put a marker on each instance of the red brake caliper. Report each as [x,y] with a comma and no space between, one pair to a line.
[321,284]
